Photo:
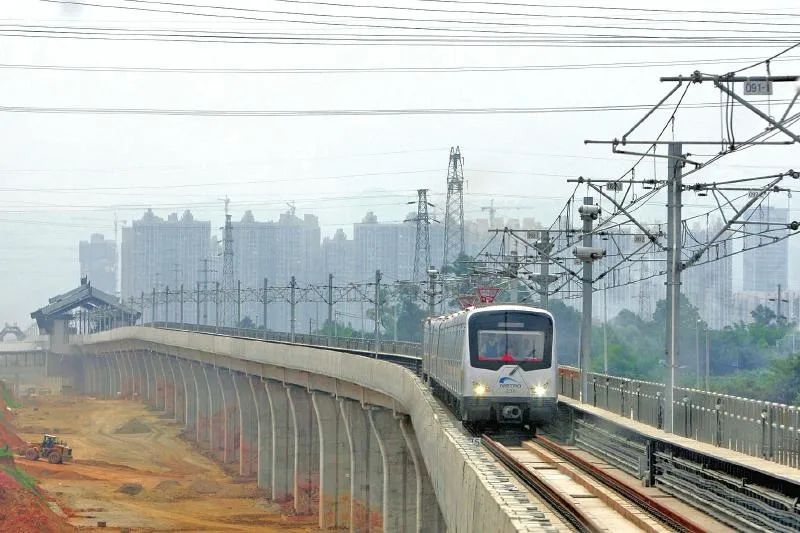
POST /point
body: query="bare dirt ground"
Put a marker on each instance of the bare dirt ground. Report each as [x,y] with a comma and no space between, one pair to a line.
[144,478]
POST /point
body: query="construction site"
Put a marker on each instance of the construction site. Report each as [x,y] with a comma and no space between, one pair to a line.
[130,470]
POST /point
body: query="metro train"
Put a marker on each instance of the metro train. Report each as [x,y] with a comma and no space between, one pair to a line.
[493,365]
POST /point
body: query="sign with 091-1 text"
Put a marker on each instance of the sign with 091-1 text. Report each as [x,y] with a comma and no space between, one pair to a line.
[757,88]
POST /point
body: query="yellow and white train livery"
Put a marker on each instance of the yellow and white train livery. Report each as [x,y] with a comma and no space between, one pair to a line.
[493,364]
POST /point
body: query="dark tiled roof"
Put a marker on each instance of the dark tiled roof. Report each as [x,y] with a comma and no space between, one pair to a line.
[84,296]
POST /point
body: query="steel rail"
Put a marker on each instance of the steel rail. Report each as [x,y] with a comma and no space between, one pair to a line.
[642,500]
[575,516]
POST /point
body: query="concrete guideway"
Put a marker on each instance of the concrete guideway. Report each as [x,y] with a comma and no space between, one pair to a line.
[361,439]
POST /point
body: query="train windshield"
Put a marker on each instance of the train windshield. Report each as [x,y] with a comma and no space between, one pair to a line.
[510,337]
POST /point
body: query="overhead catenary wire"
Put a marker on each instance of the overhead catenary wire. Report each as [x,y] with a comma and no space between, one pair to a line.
[373,69]
[483,13]
[354,16]
[339,112]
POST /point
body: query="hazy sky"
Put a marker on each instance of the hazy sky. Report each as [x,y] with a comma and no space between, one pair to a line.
[66,175]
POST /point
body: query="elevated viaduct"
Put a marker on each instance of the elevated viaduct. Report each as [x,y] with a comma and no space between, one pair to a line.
[358,440]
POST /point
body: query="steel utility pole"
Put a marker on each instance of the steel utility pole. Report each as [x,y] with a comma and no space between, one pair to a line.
[227,267]
[544,245]
[778,302]
[513,273]
[197,308]
[587,254]
[238,303]
[264,303]
[330,309]
[292,303]
[205,271]
[431,292]
[697,351]
[605,328]
[216,307]
[674,203]
[377,312]
[708,364]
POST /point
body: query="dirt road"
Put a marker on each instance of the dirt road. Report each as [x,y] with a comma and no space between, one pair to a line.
[132,471]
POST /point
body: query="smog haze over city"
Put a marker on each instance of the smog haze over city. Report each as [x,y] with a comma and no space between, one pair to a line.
[119,115]
[399,265]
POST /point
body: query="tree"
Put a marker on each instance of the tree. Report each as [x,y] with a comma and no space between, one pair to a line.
[339,329]
[763,316]
[247,323]
[409,321]
[568,331]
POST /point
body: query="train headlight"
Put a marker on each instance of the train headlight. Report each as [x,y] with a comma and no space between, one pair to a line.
[539,390]
[480,389]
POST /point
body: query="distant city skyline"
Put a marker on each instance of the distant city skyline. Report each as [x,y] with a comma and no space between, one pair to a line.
[182,251]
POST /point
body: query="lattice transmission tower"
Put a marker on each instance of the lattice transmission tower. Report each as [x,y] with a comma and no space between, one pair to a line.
[454,210]
[422,248]
[228,281]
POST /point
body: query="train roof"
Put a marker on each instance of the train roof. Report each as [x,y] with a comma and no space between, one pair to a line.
[469,311]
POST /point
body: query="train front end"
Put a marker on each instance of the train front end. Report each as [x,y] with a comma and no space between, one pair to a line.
[511,376]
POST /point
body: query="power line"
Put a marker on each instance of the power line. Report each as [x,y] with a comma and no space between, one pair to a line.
[610,8]
[344,112]
[211,184]
[405,19]
[569,41]
[449,21]
[357,70]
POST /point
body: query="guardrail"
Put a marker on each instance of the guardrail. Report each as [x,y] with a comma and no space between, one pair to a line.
[753,427]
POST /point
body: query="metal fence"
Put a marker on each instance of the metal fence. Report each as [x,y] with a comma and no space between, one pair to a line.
[753,427]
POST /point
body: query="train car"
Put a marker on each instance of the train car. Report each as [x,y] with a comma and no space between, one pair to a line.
[493,365]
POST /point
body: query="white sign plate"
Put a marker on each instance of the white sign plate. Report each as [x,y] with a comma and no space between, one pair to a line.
[758,88]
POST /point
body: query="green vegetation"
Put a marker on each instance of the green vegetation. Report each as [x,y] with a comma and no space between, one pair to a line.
[23,478]
[746,360]
[8,397]
[5,451]
[246,323]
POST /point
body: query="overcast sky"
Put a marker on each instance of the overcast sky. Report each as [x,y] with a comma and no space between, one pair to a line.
[66,175]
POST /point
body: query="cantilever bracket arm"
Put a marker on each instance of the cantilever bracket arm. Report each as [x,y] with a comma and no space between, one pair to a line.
[699,253]
[757,111]
[650,236]
[651,111]
[547,256]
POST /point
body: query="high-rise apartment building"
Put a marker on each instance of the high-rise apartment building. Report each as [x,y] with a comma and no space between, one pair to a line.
[709,284]
[98,260]
[276,251]
[388,247]
[385,246]
[293,245]
[338,257]
[158,253]
[766,267]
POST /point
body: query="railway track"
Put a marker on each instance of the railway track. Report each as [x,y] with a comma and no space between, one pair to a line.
[584,496]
